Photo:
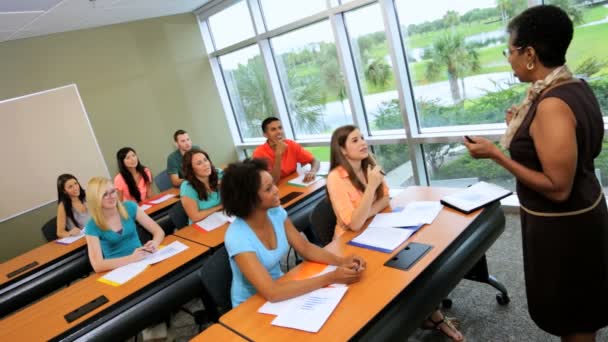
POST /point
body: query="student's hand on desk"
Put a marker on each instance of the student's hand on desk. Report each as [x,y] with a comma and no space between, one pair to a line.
[138,254]
[345,275]
[151,246]
[354,262]
[309,176]
[75,231]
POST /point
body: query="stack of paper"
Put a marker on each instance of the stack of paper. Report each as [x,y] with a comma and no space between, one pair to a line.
[299,181]
[307,312]
[161,199]
[475,197]
[413,215]
[125,273]
[215,220]
[382,239]
[70,239]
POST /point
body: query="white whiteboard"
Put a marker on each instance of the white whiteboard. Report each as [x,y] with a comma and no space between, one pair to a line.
[43,135]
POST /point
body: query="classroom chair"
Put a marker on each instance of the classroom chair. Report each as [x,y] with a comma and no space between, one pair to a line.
[323,222]
[178,216]
[216,278]
[162,181]
[49,230]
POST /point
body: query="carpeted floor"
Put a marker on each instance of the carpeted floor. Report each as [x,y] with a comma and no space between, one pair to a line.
[482,319]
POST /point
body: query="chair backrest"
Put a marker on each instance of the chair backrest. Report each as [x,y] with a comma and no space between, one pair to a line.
[49,229]
[216,278]
[178,215]
[162,180]
[323,221]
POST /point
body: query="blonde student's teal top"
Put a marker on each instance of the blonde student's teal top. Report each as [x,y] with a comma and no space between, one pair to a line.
[117,244]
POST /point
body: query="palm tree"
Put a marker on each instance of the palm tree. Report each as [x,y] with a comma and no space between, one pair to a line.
[378,72]
[450,51]
[451,19]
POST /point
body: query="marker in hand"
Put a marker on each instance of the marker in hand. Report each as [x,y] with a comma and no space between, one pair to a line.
[469,139]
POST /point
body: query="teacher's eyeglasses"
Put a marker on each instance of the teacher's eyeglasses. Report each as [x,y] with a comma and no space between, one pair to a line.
[507,52]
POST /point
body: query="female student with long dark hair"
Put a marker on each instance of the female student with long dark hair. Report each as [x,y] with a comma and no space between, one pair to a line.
[261,234]
[357,191]
[134,180]
[199,191]
[111,234]
[72,213]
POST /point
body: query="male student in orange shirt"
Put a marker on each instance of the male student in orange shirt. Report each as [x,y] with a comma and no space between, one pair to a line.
[283,154]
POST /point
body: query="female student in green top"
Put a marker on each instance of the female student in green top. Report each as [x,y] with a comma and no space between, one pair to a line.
[111,234]
[72,213]
[199,191]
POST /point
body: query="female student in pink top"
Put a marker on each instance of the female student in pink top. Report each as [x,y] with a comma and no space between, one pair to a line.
[357,191]
[134,181]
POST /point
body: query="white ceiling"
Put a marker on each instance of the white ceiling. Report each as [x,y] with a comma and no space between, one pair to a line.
[30,18]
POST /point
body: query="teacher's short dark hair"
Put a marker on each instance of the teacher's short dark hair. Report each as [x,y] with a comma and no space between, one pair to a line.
[240,185]
[546,28]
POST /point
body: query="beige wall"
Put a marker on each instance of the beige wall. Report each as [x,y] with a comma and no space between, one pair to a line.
[139,82]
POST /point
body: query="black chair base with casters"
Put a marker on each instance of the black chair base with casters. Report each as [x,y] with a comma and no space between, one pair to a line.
[323,222]
[215,278]
[49,230]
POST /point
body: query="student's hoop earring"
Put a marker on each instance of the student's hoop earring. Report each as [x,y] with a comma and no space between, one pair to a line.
[530,66]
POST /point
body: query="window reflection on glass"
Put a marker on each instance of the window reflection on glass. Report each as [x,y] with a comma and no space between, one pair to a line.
[281,12]
[249,93]
[222,25]
[586,58]
[454,53]
[450,165]
[312,80]
[395,162]
[374,68]
[601,166]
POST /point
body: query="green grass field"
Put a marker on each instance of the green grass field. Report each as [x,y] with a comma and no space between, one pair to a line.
[321,153]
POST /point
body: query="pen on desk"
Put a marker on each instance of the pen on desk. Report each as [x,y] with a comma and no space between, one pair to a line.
[469,139]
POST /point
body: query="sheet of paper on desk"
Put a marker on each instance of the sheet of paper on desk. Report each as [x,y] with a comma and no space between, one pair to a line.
[309,312]
[299,181]
[70,239]
[145,206]
[398,219]
[161,199]
[382,239]
[123,274]
[215,220]
[323,169]
[422,211]
[163,253]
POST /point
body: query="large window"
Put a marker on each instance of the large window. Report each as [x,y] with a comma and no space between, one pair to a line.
[249,93]
[312,81]
[280,12]
[374,68]
[458,73]
[222,25]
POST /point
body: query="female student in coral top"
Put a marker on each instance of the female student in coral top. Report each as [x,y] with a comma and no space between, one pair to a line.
[261,235]
[134,181]
[111,234]
[357,191]
[199,192]
[72,213]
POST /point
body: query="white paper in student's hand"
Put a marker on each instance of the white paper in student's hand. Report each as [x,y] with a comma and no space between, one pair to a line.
[311,311]
[162,199]
[422,211]
[215,220]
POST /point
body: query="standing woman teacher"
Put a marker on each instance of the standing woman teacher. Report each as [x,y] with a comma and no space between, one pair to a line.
[553,138]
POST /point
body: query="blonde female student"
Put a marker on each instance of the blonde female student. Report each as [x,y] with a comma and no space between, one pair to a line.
[72,213]
[357,191]
[111,234]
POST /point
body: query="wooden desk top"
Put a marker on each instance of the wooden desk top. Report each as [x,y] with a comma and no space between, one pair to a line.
[285,189]
[215,237]
[44,320]
[164,204]
[379,284]
[52,251]
[217,332]
[43,255]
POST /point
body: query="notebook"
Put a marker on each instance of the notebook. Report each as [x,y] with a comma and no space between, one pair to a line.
[475,197]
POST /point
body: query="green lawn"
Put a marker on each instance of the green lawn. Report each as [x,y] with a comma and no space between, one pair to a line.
[321,153]
[427,39]
[595,13]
